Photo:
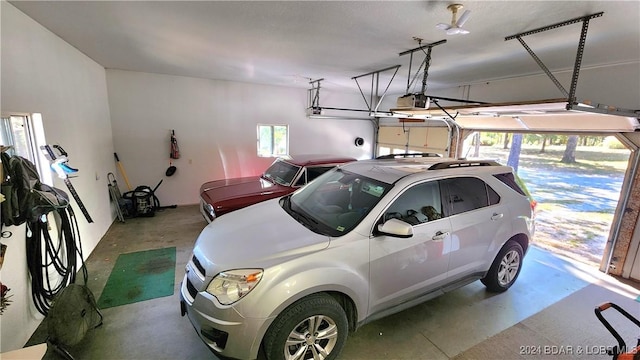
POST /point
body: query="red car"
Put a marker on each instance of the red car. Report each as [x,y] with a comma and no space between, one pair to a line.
[284,176]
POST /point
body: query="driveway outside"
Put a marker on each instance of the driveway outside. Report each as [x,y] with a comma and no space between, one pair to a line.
[575,202]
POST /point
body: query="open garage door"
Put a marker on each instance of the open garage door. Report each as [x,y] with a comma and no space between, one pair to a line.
[622,254]
[552,115]
[568,115]
[576,201]
[622,250]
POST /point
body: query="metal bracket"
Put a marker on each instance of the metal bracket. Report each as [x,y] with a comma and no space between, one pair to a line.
[314,109]
[426,63]
[571,98]
[375,88]
[314,96]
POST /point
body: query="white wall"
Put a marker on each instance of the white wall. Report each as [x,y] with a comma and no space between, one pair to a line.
[42,73]
[215,124]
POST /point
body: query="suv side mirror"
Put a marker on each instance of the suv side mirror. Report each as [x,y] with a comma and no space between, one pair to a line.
[396,228]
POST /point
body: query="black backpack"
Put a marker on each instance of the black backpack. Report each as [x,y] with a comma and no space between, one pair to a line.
[26,198]
[19,178]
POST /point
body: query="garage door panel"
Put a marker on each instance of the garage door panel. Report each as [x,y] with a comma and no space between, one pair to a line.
[420,139]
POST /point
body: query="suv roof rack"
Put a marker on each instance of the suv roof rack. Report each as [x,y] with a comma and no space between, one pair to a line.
[407,155]
[462,163]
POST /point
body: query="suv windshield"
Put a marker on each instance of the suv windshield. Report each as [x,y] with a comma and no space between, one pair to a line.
[281,172]
[335,202]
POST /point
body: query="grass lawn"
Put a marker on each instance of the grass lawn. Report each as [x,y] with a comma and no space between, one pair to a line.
[593,159]
[576,202]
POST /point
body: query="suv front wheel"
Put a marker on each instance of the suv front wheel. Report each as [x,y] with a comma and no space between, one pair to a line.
[314,327]
[505,268]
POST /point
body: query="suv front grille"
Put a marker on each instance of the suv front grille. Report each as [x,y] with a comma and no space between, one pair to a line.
[191,289]
[198,266]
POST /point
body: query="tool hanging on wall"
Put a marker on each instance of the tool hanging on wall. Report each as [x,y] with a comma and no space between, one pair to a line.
[62,169]
[122,172]
[173,154]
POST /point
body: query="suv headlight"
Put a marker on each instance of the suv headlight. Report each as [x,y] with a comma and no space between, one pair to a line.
[231,286]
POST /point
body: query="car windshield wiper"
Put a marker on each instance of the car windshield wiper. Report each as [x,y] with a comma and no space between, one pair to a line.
[307,218]
[280,181]
[269,179]
[302,218]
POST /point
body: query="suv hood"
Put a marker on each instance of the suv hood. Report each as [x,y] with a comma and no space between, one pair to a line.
[255,236]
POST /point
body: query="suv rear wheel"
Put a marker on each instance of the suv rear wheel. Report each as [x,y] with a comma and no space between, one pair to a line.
[505,268]
[314,327]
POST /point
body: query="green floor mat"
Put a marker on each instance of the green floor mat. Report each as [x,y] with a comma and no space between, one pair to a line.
[140,276]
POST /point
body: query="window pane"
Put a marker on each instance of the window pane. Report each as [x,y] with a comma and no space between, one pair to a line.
[510,180]
[417,205]
[265,147]
[26,134]
[273,140]
[315,171]
[16,133]
[466,194]
[494,198]
[302,180]
[280,140]
[282,172]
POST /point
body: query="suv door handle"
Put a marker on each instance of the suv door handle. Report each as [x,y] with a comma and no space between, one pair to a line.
[497,216]
[439,236]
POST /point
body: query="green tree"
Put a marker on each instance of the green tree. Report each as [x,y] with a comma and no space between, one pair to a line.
[531,139]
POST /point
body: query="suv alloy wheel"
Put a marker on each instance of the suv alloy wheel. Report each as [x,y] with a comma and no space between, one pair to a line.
[505,268]
[314,327]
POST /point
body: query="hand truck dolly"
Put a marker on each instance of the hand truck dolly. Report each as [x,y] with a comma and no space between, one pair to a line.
[619,352]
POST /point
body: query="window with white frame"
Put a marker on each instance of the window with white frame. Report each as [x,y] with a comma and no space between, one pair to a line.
[24,134]
[273,140]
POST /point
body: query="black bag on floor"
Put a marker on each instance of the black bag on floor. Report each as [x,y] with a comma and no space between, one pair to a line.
[140,202]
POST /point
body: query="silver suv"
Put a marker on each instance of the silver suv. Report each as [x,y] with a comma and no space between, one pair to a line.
[290,277]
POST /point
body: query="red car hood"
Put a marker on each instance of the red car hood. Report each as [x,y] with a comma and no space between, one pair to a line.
[231,194]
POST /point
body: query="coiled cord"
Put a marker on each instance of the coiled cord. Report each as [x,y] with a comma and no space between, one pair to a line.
[53,264]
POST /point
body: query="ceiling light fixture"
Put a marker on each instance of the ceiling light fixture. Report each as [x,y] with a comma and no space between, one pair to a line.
[456,25]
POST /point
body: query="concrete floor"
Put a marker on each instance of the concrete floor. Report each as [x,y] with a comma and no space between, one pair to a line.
[548,312]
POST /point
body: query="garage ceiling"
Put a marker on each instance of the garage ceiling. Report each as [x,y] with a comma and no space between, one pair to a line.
[290,42]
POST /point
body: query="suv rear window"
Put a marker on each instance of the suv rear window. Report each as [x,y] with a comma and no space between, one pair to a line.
[469,193]
[510,181]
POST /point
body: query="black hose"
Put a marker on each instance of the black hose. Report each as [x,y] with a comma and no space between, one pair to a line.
[53,264]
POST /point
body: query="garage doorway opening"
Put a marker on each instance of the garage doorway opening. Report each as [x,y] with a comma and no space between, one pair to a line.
[576,199]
